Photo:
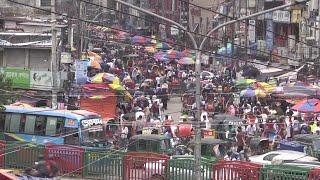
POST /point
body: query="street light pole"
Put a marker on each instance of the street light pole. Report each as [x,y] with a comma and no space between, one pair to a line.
[197,150]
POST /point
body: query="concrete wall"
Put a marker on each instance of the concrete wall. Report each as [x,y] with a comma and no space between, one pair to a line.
[206,16]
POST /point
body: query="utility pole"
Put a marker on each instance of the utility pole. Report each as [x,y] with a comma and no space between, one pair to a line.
[54,68]
[246,31]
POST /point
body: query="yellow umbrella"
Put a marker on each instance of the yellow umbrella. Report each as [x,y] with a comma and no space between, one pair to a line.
[150,49]
[265,86]
[117,87]
[95,64]
[97,78]
[260,92]
[127,96]
[116,81]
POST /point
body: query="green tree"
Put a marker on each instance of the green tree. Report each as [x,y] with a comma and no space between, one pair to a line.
[6,91]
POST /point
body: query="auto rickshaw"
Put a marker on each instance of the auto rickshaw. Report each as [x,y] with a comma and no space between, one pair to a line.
[213,149]
[150,143]
[311,143]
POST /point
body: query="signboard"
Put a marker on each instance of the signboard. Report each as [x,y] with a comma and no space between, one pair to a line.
[268,15]
[251,3]
[20,77]
[71,123]
[81,71]
[296,16]
[281,16]
[174,31]
[91,122]
[66,57]
[252,31]
[269,35]
[41,80]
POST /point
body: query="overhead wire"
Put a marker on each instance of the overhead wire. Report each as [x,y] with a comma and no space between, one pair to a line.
[211,38]
[258,27]
[84,20]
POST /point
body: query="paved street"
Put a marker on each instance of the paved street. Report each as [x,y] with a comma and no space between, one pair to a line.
[174,108]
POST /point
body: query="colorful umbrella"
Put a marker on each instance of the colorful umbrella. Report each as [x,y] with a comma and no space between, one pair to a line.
[150,49]
[173,54]
[105,77]
[186,61]
[97,79]
[278,90]
[262,85]
[164,46]
[95,64]
[248,93]
[307,106]
[110,78]
[245,82]
[116,87]
[140,40]
[253,92]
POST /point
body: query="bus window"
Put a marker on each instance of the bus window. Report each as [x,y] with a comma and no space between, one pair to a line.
[2,121]
[60,126]
[30,124]
[71,136]
[22,123]
[7,123]
[15,123]
[40,125]
[51,126]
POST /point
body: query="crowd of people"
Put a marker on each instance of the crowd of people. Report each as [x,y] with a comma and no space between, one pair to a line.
[153,82]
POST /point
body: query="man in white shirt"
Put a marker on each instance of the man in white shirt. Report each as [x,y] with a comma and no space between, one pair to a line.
[251,129]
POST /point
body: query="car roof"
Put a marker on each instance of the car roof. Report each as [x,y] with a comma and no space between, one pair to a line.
[152,137]
[286,154]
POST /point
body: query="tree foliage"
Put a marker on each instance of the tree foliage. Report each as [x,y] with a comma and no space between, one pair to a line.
[6,91]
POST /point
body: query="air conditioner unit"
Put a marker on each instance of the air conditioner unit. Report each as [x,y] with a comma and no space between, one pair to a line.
[314,53]
[310,38]
[306,51]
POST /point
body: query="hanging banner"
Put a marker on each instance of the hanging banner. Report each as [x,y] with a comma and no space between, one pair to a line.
[41,80]
[269,35]
[20,77]
[296,16]
[252,31]
[81,71]
[251,3]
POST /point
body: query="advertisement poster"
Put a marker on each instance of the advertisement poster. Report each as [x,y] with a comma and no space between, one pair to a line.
[252,31]
[41,80]
[269,35]
[20,77]
[81,71]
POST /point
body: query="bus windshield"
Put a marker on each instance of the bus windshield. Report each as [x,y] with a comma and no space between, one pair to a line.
[93,133]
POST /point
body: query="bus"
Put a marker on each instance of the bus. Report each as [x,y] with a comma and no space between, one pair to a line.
[43,125]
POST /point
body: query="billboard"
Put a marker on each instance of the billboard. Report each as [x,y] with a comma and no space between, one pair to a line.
[269,35]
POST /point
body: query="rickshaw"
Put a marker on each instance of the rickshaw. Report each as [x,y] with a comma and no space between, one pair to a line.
[311,143]
[187,101]
[150,143]
[258,145]
[213,149]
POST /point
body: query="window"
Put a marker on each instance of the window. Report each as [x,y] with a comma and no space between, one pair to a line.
[45,2]
[30,124]
[15,123]
[142,145]
[71,137]
[269,157]
[22,123]
[2,121]
[40,125]
[51,127]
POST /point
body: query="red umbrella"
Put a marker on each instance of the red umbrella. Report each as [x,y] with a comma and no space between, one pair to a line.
[307,106]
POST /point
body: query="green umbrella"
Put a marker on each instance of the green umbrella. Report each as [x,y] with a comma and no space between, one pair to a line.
[245,82]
